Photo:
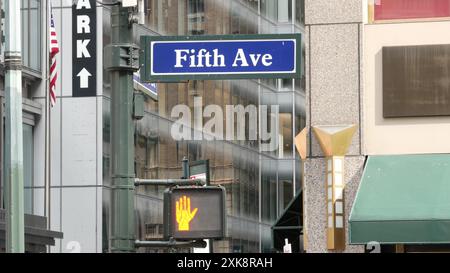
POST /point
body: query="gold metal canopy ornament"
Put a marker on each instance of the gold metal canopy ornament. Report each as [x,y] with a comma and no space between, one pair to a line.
[334,141]
[300,143]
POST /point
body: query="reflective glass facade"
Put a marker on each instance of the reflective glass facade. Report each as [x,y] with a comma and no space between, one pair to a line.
[31,34]
[259,184]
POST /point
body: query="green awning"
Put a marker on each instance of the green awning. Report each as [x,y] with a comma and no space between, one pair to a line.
[403,199]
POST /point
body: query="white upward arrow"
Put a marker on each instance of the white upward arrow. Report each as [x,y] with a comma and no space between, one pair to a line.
[84,78]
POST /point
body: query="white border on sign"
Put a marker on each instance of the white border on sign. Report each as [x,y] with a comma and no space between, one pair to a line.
[222,73]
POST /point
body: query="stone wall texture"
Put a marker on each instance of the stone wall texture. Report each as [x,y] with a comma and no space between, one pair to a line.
[334,93]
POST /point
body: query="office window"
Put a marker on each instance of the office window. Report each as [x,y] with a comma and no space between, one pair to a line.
[242,19]
[28,155]
[300,12]
[269,9]
[196,17]
[285,184]
[2,33]
[284,11]
[31,34]
[28,167]
[269,191]
[252,4]
[285,135]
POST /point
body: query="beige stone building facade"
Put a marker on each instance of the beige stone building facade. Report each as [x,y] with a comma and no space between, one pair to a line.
[380,70]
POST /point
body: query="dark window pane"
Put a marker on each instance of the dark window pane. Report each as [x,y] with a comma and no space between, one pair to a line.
[28,167]
[31,34]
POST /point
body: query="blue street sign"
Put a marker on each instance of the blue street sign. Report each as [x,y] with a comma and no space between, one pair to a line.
[220,57]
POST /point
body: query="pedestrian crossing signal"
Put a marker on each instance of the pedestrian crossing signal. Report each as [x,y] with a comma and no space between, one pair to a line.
[183,213]
[194,213]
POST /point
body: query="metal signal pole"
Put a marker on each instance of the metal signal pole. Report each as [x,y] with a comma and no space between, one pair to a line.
[15,237]
[121,59]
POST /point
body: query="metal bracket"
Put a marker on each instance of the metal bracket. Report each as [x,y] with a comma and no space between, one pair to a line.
[132,19]
[121,57]
[138,106]
[13,61]
[171,243]
[168,182]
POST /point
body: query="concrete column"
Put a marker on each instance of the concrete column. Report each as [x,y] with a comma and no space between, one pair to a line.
[333,97]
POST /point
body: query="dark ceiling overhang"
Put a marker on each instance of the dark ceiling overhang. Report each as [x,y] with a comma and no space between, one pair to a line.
[37,236]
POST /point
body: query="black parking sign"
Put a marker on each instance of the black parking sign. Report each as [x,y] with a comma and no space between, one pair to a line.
[84,48]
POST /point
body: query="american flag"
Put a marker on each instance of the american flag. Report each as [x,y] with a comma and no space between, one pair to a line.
[54,49]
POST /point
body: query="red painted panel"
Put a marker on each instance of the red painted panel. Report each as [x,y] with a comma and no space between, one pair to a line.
[411,9]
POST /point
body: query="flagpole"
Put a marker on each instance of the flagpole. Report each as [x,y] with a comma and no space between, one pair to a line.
[46,114]
[49,140]
[47,125]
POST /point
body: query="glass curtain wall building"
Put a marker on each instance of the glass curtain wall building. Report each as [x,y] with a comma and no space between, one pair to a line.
[259,184]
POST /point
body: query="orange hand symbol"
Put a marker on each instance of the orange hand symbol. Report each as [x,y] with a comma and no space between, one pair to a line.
[183,213]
